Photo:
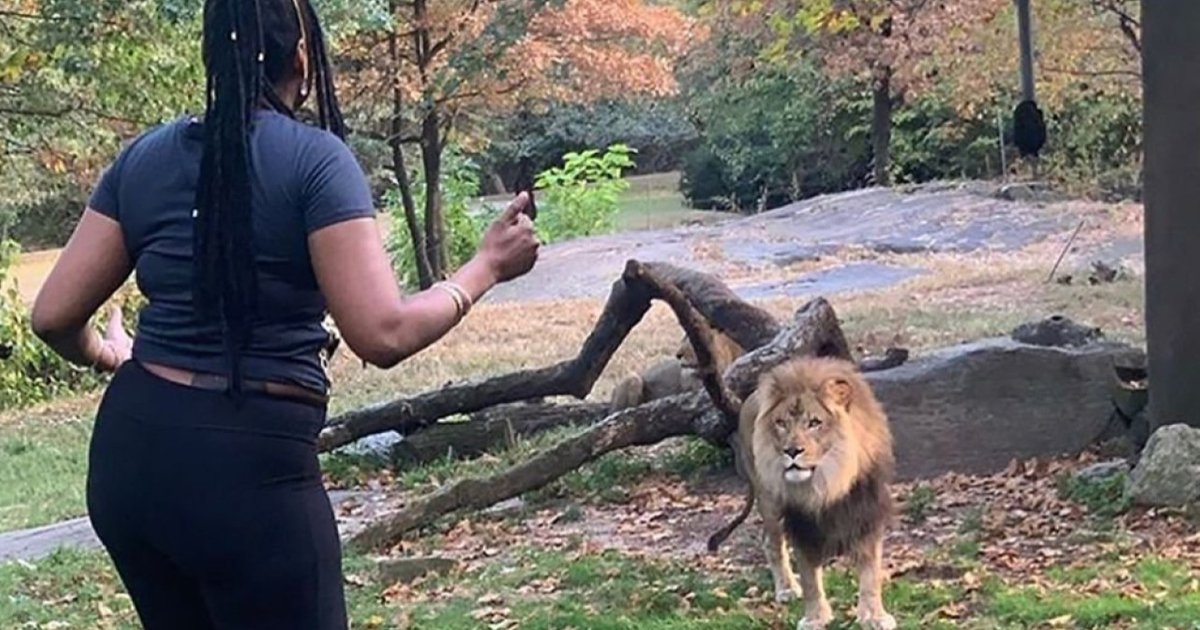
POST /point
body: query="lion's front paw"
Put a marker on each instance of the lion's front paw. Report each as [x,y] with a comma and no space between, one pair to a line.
[877,621]
[816,617]
[812,624]
[785,594]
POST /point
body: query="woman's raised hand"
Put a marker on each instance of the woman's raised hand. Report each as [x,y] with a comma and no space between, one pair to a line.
[510,247]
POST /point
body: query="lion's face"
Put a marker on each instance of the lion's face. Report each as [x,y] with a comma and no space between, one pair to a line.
[803,430]
[725,351]
[816,428]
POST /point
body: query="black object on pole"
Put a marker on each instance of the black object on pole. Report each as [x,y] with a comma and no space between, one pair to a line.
[1029,125]
[1029,129]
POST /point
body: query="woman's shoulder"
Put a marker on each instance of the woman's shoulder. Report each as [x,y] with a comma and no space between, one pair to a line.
[156,134]
[302,135]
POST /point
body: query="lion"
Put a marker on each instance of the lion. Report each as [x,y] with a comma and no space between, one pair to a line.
[672,376]
[816,447]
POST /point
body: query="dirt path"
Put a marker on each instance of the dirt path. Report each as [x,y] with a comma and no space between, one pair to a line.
[34,543]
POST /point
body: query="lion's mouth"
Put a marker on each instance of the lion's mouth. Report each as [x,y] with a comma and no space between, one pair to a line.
[798,473]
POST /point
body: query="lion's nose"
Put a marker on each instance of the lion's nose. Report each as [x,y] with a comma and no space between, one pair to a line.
[793,451]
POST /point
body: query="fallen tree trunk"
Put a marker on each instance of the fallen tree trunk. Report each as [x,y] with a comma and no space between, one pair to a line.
[499,426]
[647,424]
[813,331]
[714,302]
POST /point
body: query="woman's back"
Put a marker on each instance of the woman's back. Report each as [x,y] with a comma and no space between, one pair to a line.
[303,179]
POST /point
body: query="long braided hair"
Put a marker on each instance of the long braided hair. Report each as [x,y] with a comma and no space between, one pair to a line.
[249,47]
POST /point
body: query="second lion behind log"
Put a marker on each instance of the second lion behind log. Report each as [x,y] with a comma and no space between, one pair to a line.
[672,376]
[817,448]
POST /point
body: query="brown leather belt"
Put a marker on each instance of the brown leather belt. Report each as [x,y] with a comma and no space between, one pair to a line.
[214,382]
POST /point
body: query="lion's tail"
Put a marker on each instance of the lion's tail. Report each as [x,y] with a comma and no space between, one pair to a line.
[716,539]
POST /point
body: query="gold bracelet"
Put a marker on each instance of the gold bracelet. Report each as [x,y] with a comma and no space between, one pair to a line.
[462,294]
[459,307]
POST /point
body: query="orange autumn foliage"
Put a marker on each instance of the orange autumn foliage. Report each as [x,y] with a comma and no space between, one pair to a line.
[458,57]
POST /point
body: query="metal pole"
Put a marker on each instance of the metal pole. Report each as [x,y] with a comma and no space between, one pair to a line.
[1025,31]
[1170,56]
[1003,158]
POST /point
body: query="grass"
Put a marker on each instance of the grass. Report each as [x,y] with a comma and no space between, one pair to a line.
[1169,599]
[607,479]
[919,502]
[43,461]
[1104,498]
[544,590]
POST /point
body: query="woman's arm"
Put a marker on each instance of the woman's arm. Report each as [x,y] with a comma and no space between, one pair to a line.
[383,327]
[89,270]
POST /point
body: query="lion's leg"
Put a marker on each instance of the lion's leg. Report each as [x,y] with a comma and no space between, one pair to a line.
[871,614]
[630,392]
[775,547]
[817,611]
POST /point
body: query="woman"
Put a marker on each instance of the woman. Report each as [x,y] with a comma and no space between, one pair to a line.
[244,229]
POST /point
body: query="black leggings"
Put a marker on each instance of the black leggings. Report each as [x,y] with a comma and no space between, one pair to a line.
[214,514]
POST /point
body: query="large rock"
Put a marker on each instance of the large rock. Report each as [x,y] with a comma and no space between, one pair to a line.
[1057,331]
[1168,472]
[974,408]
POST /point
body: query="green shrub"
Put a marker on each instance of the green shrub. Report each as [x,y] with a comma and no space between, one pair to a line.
[582,197]
[464,224]
[774,135]
[1094,145]
[31,372]
[1104,498]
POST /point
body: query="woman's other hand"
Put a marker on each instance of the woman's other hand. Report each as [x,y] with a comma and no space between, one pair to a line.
[510,247]
[116,338]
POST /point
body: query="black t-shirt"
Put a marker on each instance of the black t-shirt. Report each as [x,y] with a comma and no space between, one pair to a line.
[304,179]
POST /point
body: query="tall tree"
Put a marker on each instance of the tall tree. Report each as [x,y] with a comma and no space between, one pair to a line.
[75,78]
[1171,54]
[1081,46]
[449,65]
[897,47]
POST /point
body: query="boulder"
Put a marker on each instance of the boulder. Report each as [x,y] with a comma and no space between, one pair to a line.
[1101,471]
[1057,331]
[974,408]
[405,570]
[1168,472]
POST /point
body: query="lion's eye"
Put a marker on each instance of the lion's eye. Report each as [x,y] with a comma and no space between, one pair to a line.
[814,423]
[781,422]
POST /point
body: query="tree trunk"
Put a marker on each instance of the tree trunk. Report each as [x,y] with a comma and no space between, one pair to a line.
[881,125]
[435,223]
[486,430]
[400,169]
[431,147]
[744,323]
[1171,54]
[644,425]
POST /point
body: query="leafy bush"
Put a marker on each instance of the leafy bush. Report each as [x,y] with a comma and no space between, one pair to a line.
[1104,498]
[1094,145]
[930,141]
[659,131]
[30,372]
[459,184]
[775,135]
[581,197]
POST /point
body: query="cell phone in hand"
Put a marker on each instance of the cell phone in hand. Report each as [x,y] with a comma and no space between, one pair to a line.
[531,211]
[524,184]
